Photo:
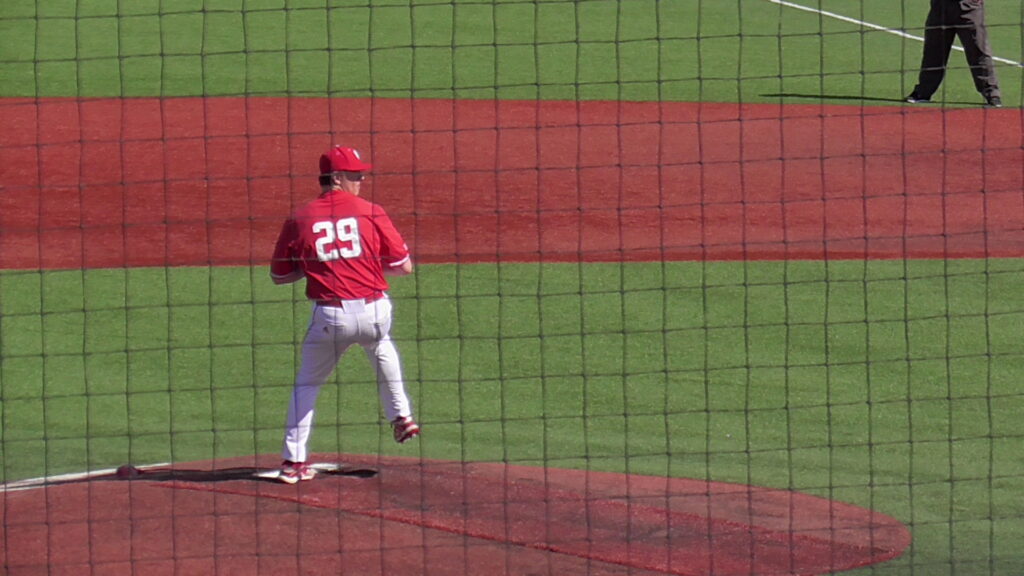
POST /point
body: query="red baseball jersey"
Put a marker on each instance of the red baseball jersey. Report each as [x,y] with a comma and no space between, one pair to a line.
[341,243]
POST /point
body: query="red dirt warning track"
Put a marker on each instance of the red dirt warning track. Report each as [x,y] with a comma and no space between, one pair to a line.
[435,517]
[191,181]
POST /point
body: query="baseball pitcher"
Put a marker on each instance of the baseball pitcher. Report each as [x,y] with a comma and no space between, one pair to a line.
[343,246]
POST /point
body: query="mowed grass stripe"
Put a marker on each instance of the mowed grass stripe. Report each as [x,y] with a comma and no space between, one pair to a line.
[729,340]
[599,49]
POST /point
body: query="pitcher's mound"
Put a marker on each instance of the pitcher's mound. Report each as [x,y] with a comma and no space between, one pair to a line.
[368,515]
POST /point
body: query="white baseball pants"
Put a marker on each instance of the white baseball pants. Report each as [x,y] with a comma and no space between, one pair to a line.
[332,330]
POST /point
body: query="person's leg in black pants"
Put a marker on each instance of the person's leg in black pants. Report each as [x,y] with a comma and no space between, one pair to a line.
[974,38]
[938,41]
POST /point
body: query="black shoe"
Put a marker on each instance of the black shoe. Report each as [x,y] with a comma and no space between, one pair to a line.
[994,101]
[913,98]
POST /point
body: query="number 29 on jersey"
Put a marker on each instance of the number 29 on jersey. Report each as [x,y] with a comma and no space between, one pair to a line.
[337,239]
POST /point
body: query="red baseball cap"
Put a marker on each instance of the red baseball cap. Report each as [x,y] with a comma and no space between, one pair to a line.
[342,159]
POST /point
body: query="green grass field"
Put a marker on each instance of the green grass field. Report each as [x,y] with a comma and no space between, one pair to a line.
[748,50]
[893,385]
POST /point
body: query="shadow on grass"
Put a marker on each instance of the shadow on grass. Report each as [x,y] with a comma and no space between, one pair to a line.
[859,98]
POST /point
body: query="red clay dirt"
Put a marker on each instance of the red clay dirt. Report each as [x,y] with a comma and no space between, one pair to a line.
[435,517]
[192,181]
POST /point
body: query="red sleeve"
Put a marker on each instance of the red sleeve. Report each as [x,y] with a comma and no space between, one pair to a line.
[283,264]
[393,250]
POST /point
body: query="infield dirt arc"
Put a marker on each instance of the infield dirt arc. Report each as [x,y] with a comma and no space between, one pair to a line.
[193,181]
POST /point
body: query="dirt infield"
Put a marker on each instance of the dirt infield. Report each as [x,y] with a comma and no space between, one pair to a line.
[412,516]
[192,181]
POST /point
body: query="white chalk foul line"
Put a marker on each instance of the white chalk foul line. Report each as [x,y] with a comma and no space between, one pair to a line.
[33,483]
[875,27]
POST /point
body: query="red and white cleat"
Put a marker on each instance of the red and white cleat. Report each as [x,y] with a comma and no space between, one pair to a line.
[293,472]
[405,428]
